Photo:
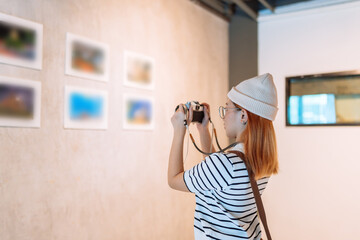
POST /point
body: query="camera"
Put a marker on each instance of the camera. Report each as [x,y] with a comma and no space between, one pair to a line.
[198,110]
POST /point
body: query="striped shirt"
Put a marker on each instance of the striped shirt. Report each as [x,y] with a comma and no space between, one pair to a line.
[225,205]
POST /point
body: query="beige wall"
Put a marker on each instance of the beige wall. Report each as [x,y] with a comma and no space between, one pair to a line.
[315,195]
[87,184]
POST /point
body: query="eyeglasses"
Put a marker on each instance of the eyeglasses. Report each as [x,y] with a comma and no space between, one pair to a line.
[222,111]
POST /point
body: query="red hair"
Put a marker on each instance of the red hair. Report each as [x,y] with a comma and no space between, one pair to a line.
[260,146]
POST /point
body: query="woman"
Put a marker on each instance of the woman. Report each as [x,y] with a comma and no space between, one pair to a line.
[225,204]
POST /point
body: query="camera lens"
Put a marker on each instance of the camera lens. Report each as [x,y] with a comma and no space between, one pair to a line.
[197,107]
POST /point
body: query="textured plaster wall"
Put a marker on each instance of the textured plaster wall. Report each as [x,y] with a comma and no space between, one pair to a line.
[90,184]
[315,196]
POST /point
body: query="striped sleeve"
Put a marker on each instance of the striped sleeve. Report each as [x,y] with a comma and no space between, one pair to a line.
[214,173]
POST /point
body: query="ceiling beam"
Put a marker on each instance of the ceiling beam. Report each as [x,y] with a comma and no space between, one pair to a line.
[246,9]
[211,9]
[266,4]
[215,5]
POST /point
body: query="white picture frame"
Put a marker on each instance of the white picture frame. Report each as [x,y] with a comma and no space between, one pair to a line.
[138,112]
[88,51]
[20,100]
[138,71]
[81,108]
[22,42]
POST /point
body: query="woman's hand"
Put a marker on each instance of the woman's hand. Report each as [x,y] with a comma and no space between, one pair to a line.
[179,117]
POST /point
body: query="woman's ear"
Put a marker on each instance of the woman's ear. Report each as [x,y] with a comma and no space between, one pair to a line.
[244,116]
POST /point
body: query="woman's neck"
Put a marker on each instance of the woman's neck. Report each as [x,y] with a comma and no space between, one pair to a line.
[239,138]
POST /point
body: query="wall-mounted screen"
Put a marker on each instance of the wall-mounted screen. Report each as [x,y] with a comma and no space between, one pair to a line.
[323,99]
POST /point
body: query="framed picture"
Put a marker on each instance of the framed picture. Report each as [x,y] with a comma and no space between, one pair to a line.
[138,112]
[328,99]
[85,108]
[86,58]
[20,42]
[20,103]
[138,70]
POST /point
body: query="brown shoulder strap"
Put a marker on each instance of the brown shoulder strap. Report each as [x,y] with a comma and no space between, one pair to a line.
[254,186]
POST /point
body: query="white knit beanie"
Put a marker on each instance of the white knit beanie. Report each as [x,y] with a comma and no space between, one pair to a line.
[257,95]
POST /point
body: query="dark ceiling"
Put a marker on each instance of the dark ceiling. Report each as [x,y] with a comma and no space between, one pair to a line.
[257,5]
[227,8]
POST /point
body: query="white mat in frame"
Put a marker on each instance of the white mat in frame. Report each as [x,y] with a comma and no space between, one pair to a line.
[20,102]
[21,42]
[86,58]
[85,108]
